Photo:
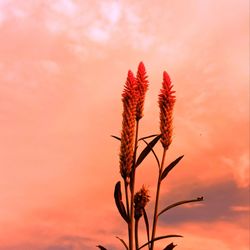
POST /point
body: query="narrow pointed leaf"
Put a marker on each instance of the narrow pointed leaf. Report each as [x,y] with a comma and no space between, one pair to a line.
[118,201]
[170,167]
[180,203]
[159,238]
[123,242]
[146,137]
[171,246]
[157,159]
[146,150]
[116,137]
[101,247]
[146,223]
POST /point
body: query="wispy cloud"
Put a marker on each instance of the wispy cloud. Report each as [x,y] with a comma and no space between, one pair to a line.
[63,66]
[220,201]
[63,243]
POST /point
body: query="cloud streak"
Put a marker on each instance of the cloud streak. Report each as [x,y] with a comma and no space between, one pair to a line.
[220,202]
[62,69]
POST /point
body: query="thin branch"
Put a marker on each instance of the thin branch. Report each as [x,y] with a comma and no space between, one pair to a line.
[157,199]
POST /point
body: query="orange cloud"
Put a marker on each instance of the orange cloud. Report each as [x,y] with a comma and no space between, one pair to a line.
[63,66]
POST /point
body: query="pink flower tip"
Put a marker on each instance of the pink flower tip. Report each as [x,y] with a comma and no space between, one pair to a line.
[166,78]
[141,66]
[131,78]
[130,73]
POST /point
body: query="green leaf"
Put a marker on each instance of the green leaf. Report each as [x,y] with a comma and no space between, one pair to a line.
[116,137]
[118,201]
[123,242]
[180,203]
[146,137]
[157,159]
[101,247]
[159,238]
[146,222]
[170,246]
[170,167]
[146,150]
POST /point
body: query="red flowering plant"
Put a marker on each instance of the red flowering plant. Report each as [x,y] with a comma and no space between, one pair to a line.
[133,209]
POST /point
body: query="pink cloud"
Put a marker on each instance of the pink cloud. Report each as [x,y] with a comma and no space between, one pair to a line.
[63,66]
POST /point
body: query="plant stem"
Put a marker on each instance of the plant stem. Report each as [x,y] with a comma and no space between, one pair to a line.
[126,194]
[136,234]
[132,187]
[127,203]
[157,199]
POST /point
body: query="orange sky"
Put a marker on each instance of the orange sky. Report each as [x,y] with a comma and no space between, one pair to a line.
[63,64]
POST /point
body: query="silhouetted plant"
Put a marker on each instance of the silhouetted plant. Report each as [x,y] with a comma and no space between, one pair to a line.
[133,98]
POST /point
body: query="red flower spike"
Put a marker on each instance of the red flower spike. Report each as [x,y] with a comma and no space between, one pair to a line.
[166,104]
[129,99]
[142,87]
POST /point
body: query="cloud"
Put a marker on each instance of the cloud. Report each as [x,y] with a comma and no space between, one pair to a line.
[111,11]
[98,33]
[63,66]
[220,203]
[241,173]
[67,7]
[68,242]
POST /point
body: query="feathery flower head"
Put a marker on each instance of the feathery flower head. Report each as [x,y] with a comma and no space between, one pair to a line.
[141,199]
[166,103]
[142,87]
[130,86]
[129,99]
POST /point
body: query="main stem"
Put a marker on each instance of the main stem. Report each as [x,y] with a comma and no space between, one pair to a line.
[136,234]
[132,187]
[127,203]
[157,198]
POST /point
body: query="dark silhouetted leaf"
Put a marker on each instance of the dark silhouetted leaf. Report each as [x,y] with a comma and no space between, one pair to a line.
[180,203]
[159,238]
[146,222]
[146,137]
[158,162]
[146,150]
[101,247]
[123,242]
[170,167]
[170,246]
[116,137]
[118,201]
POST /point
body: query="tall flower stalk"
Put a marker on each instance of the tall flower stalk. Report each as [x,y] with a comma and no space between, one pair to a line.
[133,98]
[166,105]
[129,99]
[141,88]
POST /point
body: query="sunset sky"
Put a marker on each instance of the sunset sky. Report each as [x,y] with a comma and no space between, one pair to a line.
[63,65]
